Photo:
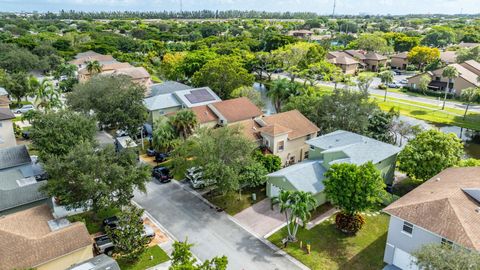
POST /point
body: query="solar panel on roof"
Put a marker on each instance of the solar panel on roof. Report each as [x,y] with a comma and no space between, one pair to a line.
[198,96]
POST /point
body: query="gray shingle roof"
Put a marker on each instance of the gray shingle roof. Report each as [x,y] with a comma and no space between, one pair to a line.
[167,87]
[359,149]
[100,262]
[14,156]
[3,92]
[305,176]
[160,102]
[6,114]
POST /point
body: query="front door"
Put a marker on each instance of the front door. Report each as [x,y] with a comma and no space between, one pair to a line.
[404,260]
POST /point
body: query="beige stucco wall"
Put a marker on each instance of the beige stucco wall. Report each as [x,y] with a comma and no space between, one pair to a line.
[349,69]
[293,148]
[7,135]
[154,115]
[68,260]
[458,84]
[398,63]
[375,65]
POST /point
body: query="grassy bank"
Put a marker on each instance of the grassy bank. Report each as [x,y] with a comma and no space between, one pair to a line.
[152,257]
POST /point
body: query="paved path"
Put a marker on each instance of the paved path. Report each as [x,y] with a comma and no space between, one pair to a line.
[260,218]
[373,90]
[214,234]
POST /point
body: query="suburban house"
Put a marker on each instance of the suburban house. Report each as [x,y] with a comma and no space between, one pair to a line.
[344,61]
[109,66]
[21,176]
[7,134]
[448,57]
[170,101]
[4,99]
[336,147]
[399,61]
[34,239]
[305,34]
[226,112]
[443,210]
[100,262]
[167,87]
[469,71]
[468,45]
[371,61]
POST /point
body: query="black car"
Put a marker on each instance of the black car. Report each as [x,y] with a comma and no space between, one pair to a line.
[111,222]
[162,174]
[160,157]
[151,152]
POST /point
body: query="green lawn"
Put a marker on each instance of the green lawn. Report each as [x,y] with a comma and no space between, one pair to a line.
[331,249]
[159,256]
[234,203]
[94,225]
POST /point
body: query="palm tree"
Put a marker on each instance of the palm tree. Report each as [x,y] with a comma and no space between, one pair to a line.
[451,73]
[299,204]
[46,96]
[470,95]
[94,67]
[164,135]
[184,122]
[280,91]
[386,77]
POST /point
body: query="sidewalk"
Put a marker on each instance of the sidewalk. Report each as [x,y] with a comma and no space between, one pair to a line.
[321,218]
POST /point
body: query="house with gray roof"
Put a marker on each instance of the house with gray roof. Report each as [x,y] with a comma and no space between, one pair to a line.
[333,148]
[20,178]
[100,262]
[167,87]
[168,103]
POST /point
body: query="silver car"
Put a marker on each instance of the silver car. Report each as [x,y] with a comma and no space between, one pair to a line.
[24,109]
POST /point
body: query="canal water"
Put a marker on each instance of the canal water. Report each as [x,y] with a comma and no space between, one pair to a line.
[470,138]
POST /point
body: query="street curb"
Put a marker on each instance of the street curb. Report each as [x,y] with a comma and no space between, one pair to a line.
[275,230]
[263,240]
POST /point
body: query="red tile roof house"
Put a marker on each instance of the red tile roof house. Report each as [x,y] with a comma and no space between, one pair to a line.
[444,209]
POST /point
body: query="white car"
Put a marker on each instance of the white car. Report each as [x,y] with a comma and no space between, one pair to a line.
[24,109]
[195,176]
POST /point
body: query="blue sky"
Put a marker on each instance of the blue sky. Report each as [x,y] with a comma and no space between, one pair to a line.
[318,6]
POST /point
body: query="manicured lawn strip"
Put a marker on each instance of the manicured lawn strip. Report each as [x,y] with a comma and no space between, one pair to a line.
[159,256]
[472,121]
[416,94]
[93,225]
[406,185]
[233,203]
[331,249]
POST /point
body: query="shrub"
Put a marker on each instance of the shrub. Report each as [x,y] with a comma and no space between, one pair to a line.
[348,223]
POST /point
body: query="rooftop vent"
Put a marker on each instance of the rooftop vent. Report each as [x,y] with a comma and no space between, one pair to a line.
[437,179]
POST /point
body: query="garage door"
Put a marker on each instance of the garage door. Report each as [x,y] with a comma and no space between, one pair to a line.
[404,260]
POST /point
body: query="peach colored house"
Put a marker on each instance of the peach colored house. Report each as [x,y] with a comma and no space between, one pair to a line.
[344,61]
[399,61]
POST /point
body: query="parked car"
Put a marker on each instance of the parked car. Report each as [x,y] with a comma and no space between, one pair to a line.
[151,152]
[103,245]
[24,109]
[162,174]
[160,157]
[195,176]
[121,133]
[111,222]
[404,81]
[394,85]
[26,135]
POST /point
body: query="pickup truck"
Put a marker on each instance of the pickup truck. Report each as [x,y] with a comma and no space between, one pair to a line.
[104,245]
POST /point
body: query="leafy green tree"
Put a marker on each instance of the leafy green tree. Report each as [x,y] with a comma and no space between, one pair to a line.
[296,205]
[470,95]
[116,101]
[14,59]
[253,175]
[451,73]
[280,91]
[386,77]
[96,178]
[437,256]
[19,85]
[353,189]
[380,125]
[272,163]
[265,63]
[182,259]
[251,93]
[429,153]
[56,133]
[195,60]
[127,237]
[468,54]
[184,122]
[424,83]
[223,75]
[165,138]
[171,66]
[469,162]
[222,153]
[364,81]
[94,67]
[440,37]
[373,43]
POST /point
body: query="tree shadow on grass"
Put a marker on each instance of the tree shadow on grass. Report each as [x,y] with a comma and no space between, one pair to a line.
[368,258]
[418,112]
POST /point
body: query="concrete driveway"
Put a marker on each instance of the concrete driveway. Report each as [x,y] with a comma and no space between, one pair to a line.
[260,218]
[184,216]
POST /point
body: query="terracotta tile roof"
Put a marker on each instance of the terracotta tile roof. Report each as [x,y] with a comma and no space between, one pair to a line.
[236,109]
[26,239]
[6,114]
[134,72]
[441,206]
[275,130]
[295,121]
[204,114]
[250,129]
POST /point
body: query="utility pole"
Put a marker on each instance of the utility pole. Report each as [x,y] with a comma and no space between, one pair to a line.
[334,6]
[181,6]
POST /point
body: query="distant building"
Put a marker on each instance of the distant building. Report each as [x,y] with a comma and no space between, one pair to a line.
[443,210]
[366,60]
[344,61]
[448,57]
[399,61]
[305,34]
[4,98]
[34,239]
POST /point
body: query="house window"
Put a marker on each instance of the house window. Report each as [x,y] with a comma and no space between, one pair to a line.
[305,156]
[281,145]
[291,160]
[407,227]
[447,242]
[267,143]
[437,78]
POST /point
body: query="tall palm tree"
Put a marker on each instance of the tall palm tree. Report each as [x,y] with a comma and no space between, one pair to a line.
[280,91]
[470,95]
[298,204]
[94,67]
[451,73]
[386,77]
[184,122]
[164,135]
[46,96]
